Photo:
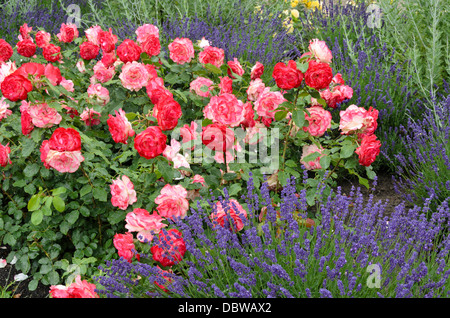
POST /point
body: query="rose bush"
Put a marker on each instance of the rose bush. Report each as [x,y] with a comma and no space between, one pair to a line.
[102,137]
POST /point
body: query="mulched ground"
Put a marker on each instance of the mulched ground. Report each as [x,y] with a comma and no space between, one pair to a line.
[383,191]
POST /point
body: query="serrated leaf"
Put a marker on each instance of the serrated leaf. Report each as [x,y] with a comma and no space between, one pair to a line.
[100,194]
[85,190]
[325,162]
[347,150]
[280,115]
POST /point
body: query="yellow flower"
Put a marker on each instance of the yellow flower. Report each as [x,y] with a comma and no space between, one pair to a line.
[295,13]
[294,3]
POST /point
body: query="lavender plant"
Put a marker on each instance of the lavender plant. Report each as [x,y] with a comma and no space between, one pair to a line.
[280,257]
[424,165]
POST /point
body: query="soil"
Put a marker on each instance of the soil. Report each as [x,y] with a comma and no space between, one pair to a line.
[383,191]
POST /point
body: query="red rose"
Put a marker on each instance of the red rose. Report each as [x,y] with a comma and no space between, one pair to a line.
[26,48]
[368,150]
[217,137]
[225,85]
[53,74]
[256,71]
[4,155]
[106,40]
[42,38]
[171,248]
[128,51]
[212,55]
[31,70]
[6,51]
[318,75]
[234,67]
[51,52]
[150,143]
[16,87]
[167,111]
[287,76]
[26,120]
[67,33]
[65,139]
[108,59]
[89,50]
[156,90]
[151,45]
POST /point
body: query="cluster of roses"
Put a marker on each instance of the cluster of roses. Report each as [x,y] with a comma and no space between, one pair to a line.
[353,120]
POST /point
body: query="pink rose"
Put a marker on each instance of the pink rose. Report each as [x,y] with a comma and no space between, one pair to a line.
[80,66]
[234,67]
[225,85]
[313,164]
[319,121]
[255,89]
[256,71]
[78,289]
[68,33]
[66,161]
[98,94]
[201,86]
[43,116]
[181,50]
[172,202]
[67,84]
[189,132]
[267,102]
[212,55]
[119,127]
[102,73]
[24,31]
[92,34]
[4,155]
[225,109]
[357,120]
[146,224]
[90,117]
[7,69]
[337,79]
[4,111]
[249,116]
[144,30]
[124,244]
[42,38]
[232,213]
[171,151]
[336,95]
[134,76]
[320,50]
[122,192]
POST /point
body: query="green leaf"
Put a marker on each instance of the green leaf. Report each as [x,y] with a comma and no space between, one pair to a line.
[347,150]
[85,190]
[213,68]
[59,204]
[31,170]
[59,191]
[298,116]
[36,217]
[72,217]
[34,203]
[311,157]
[166,170]
[303,67]
[100,194]
[280,115]
[325,162]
